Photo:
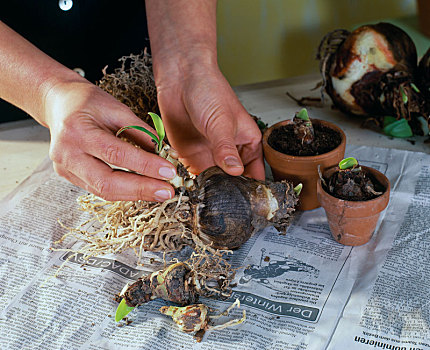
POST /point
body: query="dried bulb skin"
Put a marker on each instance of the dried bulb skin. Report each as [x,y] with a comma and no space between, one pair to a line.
[189,319]
[371,70]
[231,209]
[172,284]
[303,130]
[287,200]
[138,293]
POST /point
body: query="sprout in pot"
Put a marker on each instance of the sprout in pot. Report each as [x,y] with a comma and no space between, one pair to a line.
[373,72]
[351,182]
[295,148]
[353,197]
[303,137]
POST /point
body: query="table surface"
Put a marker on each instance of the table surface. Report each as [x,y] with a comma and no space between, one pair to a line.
[24,144]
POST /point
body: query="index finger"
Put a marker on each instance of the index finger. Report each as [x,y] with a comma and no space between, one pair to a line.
[112,150]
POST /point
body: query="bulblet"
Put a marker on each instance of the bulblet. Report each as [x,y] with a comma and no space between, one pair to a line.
[171,284]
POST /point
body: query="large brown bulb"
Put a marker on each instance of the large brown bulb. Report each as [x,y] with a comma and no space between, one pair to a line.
[230,209]
[373,71]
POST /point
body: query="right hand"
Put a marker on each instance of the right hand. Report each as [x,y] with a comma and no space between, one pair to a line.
[83,121]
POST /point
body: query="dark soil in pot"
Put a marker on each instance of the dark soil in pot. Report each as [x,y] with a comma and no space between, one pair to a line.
[284,140]
[353,185]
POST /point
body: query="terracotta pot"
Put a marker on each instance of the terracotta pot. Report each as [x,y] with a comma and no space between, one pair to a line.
[302,169]
[353,222]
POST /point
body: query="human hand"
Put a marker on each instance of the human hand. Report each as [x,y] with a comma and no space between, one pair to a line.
[83,121]
[207,124]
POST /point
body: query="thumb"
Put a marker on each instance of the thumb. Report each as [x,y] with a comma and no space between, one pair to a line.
[224,150]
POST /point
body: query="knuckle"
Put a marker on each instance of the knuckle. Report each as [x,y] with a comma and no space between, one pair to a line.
[142,193]
[56,155]
[144,166]
[226,145]
[113,155]
[102,188]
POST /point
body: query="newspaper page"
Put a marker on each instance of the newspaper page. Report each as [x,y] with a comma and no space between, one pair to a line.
[301,290]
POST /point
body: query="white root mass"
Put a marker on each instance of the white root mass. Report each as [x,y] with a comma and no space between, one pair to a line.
[115,226]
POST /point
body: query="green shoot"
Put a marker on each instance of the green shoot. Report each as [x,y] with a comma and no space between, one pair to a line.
[159,127]
[415,88]
[122,310]
[404,96]
[298,189]
[347,163]
[303,115]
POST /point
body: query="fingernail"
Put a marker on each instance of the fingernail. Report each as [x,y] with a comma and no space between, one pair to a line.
[167,173]
[162,195]
[232,162]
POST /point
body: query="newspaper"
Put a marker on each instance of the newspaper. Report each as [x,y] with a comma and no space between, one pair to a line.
[301,290]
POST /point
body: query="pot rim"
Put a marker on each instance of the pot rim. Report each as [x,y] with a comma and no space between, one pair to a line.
[278,154]
[343,205]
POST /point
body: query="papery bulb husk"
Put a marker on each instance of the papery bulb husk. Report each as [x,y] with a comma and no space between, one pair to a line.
[231,209]
[171,284]
[303,130]
[369,71]
[138,293]
[190,319]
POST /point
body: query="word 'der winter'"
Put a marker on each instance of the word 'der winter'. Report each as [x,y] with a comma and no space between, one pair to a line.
[274,307]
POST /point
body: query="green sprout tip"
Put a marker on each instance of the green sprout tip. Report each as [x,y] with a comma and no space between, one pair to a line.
[347,163]
[298,189]
[303,114]
[122,310]
[404,96]
[159,127]
[413,86]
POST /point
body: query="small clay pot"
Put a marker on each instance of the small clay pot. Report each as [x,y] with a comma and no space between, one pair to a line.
[353,222]
[302,169]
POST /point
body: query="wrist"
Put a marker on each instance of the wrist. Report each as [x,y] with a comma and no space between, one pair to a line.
[183,63]
[54,95]
[183,37]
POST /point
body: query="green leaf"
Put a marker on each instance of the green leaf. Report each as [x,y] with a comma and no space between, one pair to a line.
[303,114]
[347,163]
[399,128]
[159,127]
[138,128]
[389,120]
[404,96]
[122,310]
